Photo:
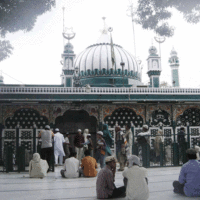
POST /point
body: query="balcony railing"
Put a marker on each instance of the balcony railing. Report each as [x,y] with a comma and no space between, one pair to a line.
[97,90]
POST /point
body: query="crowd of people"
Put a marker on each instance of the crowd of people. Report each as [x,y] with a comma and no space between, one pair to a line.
[82,163]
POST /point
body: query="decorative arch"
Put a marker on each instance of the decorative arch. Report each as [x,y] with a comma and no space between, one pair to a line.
[160,118]
[124,116]
[72,120]
[9,110]
[191,116]
[26,118]
[59,110]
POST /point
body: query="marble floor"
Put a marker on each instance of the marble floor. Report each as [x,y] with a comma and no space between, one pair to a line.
[18,186]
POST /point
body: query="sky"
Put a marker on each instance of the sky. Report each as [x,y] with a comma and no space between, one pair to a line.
[37,54]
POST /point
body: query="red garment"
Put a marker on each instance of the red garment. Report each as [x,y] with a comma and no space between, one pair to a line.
[78,140]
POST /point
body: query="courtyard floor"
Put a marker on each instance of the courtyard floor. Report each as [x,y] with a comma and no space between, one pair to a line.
[19,186]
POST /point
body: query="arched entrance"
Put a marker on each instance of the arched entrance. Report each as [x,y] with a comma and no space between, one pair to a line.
[72,120]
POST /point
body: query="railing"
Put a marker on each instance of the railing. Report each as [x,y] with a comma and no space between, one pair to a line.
[97,90]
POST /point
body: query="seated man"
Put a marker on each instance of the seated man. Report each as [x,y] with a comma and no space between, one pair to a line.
[105,186]
[89,165]
[38,167]
[71,167]
[135,180]
[189,178]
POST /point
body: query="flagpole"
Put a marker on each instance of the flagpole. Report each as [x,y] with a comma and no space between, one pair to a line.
[112,52]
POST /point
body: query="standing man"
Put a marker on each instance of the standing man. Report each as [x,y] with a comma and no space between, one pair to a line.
[129,138]
[85,134]
[144,141]
[58,147]
[78,143]
[89,144]
[120,147]
[66,146]
[181,142]
[100,149]
[46,149]
[108,139]
[189,178]
[105,186]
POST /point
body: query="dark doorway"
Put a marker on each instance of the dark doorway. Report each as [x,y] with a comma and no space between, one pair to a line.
[72,120]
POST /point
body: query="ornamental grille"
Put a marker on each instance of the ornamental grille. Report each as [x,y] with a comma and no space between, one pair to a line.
[160,118]
[190,117]
[123,116]
[26,118]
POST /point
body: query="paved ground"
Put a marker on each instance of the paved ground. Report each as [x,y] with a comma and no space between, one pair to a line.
[18,186]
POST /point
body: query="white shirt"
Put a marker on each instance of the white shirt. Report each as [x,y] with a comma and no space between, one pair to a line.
[67,140]
[137,187]
[72,168]
[58,144]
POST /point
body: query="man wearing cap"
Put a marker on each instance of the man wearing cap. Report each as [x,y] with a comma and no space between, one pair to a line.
[146,145]
[89,144]
[135,179]
[120,147]
[58,147]
[105,186]
[100,148]
[78,143]
[46,148]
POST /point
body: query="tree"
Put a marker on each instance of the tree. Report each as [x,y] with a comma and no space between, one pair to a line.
[18,15]
[154,14]
[5,49]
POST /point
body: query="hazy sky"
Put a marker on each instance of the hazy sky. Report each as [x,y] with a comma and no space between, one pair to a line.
[37,54]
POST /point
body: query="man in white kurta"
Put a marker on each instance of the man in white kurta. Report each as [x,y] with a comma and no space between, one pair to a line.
[137,185]
[58,147]
[71,167]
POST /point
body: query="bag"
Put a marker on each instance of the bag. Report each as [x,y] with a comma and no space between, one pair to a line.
[141,140]
[103,152]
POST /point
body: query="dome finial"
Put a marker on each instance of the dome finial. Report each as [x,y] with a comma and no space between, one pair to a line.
[105,29]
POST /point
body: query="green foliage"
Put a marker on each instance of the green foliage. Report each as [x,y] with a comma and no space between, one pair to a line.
[153,14]
[16,15]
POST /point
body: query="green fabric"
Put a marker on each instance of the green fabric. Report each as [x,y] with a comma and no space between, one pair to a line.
[108,139]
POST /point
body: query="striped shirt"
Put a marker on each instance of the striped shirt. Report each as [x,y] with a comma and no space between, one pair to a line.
[105,183]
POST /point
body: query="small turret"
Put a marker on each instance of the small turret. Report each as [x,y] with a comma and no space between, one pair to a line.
[154,67]
[174,64]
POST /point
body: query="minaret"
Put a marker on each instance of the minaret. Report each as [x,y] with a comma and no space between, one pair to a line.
[68,65]
[174,64]
[154,67]
[68,56]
